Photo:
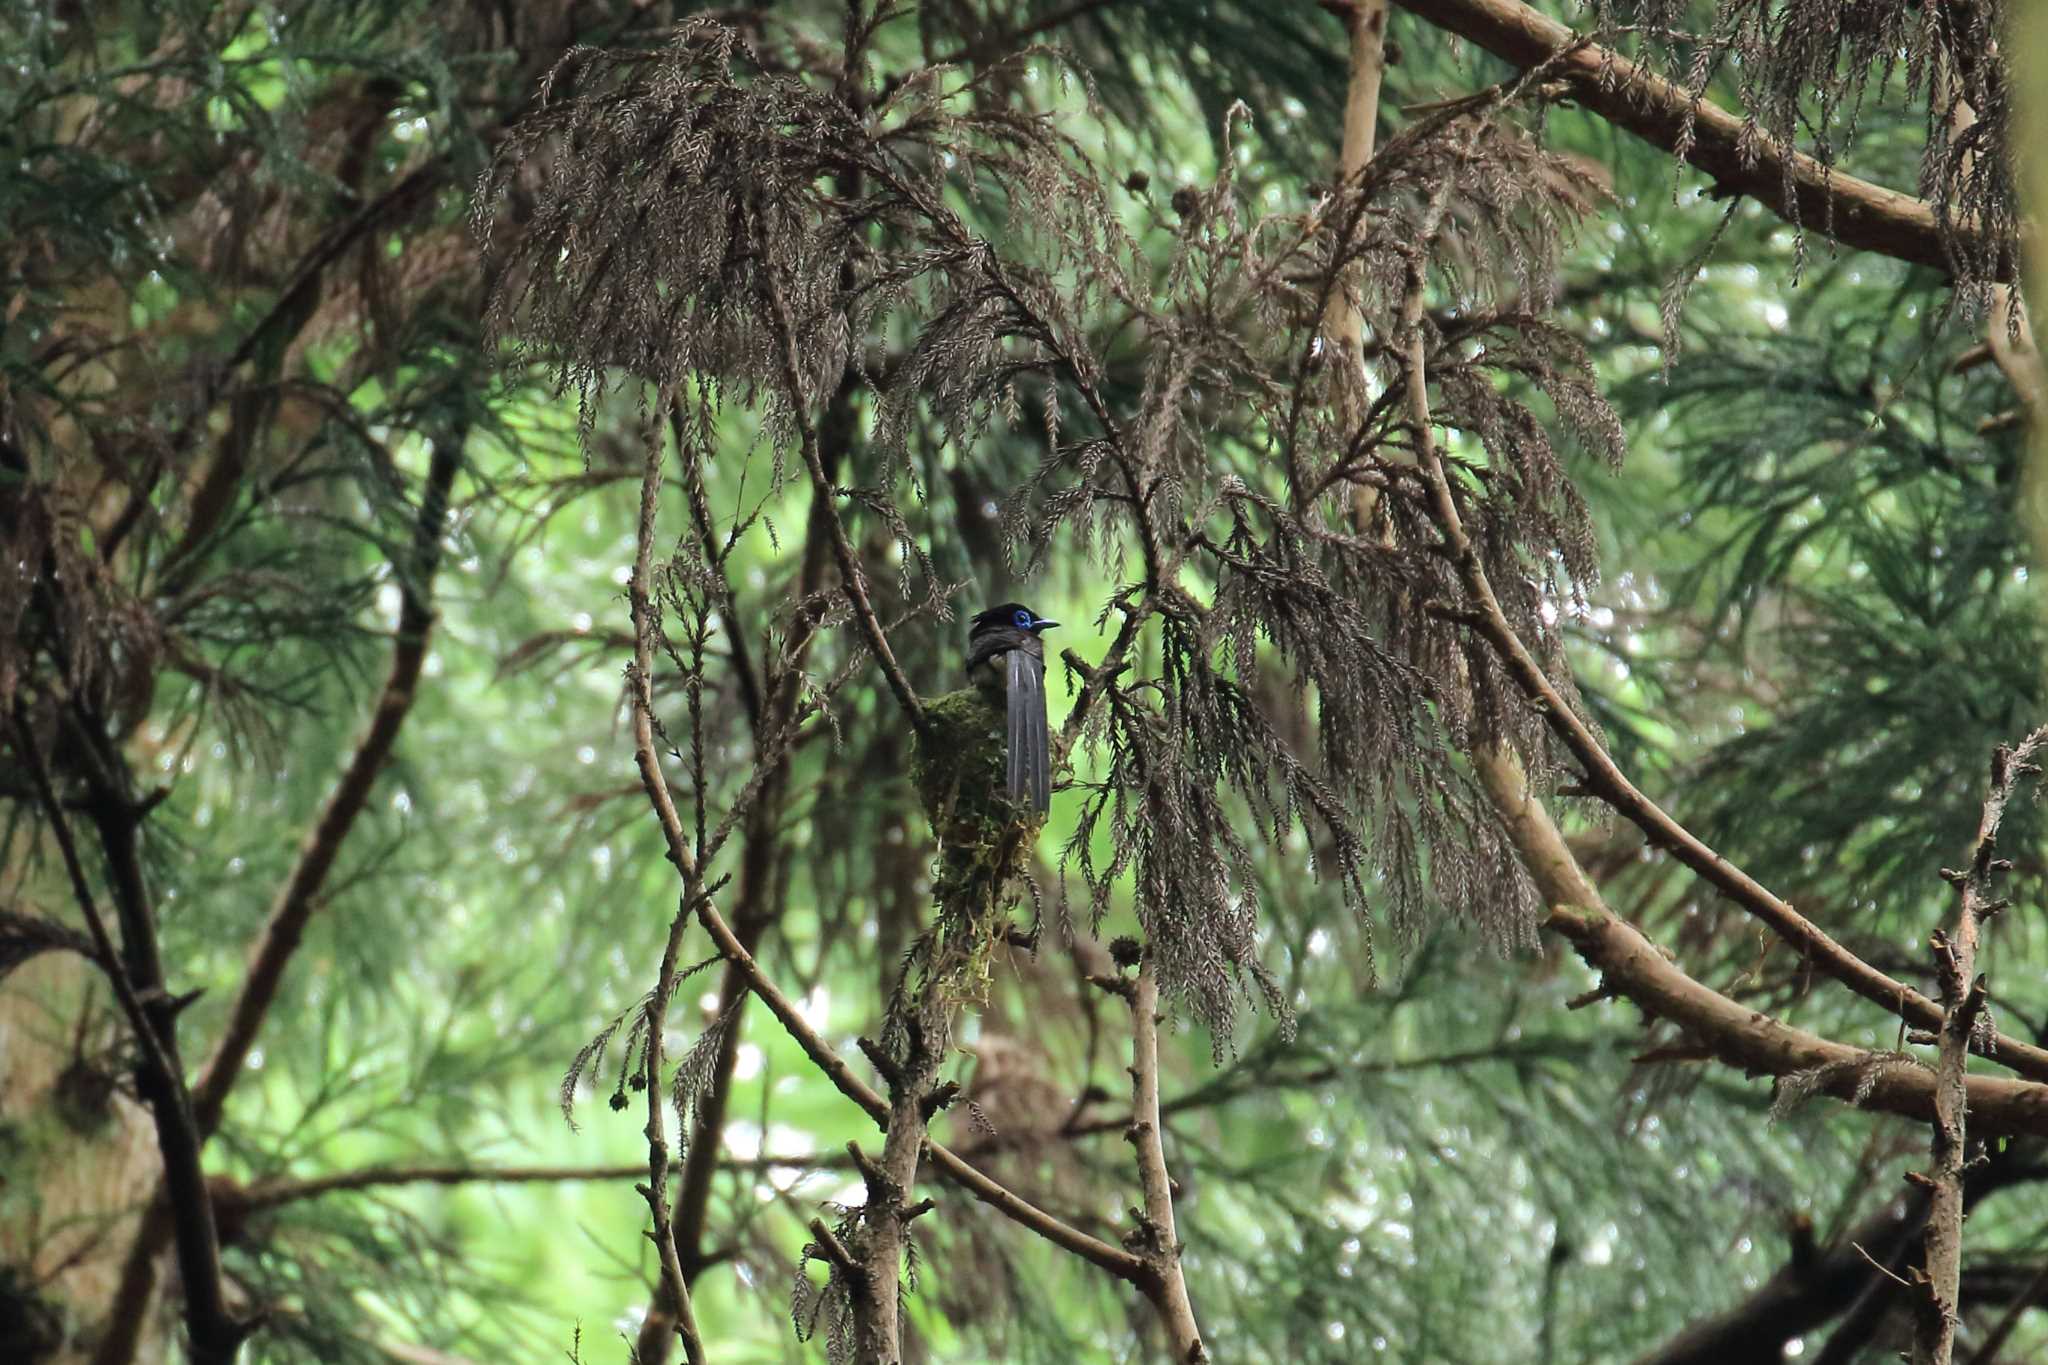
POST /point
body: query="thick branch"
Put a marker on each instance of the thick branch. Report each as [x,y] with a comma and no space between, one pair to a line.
[1604,778]
[1634,967]
[885,1219]
[1853,212]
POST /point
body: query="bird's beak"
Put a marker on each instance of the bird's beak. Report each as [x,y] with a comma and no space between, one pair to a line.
[1043,625]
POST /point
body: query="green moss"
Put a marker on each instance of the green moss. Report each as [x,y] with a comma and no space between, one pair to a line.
[960,769]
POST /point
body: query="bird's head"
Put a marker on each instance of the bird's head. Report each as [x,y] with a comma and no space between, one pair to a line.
[1010,616]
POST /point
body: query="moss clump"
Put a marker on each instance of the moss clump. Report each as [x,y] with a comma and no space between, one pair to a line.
[961,771]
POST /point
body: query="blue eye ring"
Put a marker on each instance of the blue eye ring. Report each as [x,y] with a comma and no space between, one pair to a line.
[1022,618]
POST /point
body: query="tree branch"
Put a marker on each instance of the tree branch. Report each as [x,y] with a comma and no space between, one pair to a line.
[276,1193]
[655,1191]
[1962,996]
[1365,23]
[1161,1243]
[1813,1288]
[885,1219]
[1605,779]
[216,1334]
[2009,338]
[855,578]
[1631,964]
[297,899]
[1853,212]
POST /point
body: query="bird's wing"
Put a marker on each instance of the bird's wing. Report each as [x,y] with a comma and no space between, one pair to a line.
[1030,769]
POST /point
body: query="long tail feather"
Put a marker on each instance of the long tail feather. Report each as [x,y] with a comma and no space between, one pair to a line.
[1030,756]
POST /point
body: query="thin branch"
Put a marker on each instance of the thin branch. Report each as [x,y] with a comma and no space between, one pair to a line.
[655,1191]
[854,578]
[297,899]
[1739,160]
[1962,995]
[276,1193]
[1162,1246]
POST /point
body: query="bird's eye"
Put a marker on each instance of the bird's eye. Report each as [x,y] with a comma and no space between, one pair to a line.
[1022,618]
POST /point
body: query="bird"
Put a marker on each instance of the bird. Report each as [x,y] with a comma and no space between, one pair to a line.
[1006,661]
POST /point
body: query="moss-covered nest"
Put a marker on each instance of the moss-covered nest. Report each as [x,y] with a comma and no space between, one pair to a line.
[960,768]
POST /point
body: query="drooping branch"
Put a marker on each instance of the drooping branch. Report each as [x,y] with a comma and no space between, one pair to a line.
[1853,212]
[1962,1003]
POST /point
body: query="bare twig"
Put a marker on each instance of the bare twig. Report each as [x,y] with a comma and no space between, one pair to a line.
[1881,1268]
[1962,996]
[655,1191]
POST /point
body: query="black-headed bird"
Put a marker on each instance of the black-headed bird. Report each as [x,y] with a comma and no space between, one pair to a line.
[1006,661]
